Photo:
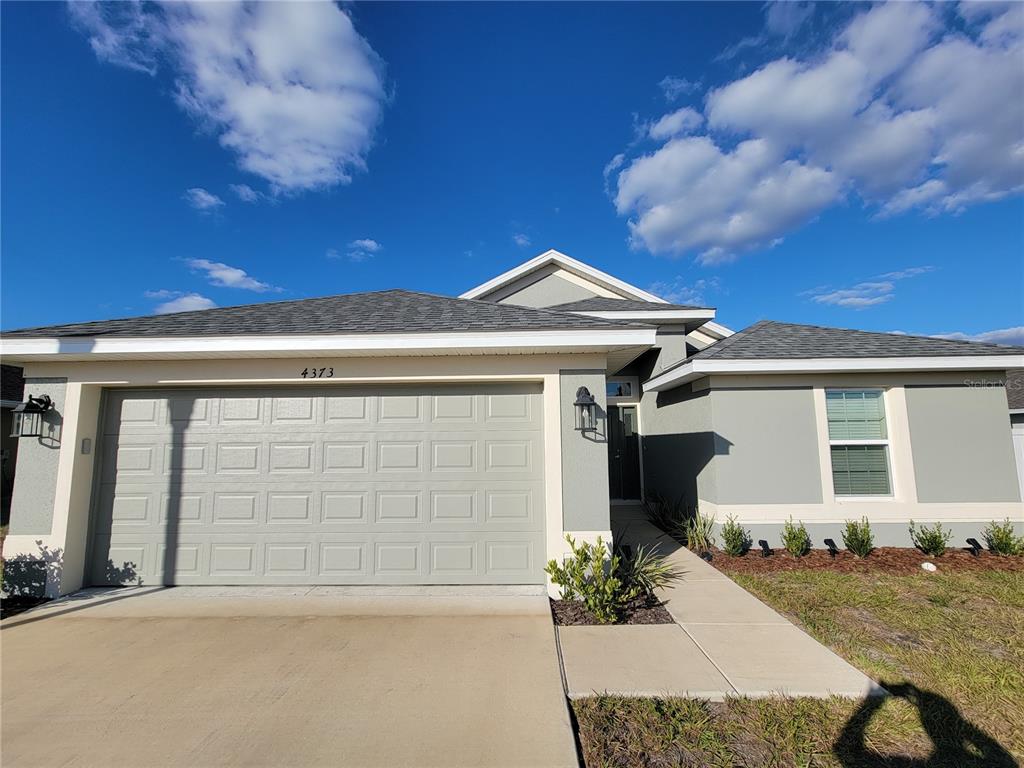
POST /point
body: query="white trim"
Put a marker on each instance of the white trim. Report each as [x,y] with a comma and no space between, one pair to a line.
[883,442]
[566,262]
[697,368]
[666,315]
[227,346]
[717,329]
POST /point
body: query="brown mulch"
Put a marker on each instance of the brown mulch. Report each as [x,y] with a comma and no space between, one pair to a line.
[571,613]
[894,560]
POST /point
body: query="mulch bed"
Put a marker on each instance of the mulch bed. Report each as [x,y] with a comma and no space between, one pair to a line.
[12,606]
[894,560]
[571,613]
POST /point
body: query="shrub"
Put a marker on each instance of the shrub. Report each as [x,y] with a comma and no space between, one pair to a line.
[1001,539]
[700,532]
[932,540]
[668,514]
[649,571]
[736,539]
[595,578]
[795,538]
[857,537]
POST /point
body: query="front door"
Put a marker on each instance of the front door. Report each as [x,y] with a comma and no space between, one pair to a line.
[623,453]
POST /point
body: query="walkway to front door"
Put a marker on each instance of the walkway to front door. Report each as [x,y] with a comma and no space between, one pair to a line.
[623,453]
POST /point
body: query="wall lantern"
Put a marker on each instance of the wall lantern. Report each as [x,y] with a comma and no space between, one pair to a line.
[27,417]
[586,410]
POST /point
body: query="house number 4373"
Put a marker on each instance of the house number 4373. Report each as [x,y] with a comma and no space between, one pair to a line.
[317,373]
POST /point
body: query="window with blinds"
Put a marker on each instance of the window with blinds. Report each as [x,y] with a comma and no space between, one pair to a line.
[858,440]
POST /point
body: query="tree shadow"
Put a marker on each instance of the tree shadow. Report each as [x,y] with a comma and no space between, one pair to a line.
[956,742]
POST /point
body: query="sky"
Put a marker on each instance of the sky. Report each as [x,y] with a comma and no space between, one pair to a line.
[856,166]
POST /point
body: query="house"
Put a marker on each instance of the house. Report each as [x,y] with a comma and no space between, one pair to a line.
[398,437]
[1015,399]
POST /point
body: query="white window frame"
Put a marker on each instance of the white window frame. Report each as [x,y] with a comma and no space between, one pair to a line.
[633,381]
[886,442]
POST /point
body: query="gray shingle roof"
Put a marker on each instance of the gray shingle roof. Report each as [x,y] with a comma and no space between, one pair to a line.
[1015,389]
[605,304]
[394,311]
[769,339]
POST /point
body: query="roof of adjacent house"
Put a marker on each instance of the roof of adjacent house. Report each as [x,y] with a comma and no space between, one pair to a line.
[1015,389]
[12,383]
[773,340]
[392,311]
[607,304]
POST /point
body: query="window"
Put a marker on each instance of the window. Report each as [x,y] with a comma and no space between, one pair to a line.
[858,441]
[619,388]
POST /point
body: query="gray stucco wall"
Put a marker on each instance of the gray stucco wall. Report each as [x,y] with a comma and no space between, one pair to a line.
[547,292]
[584,456]
[673,348]
[35,482]
[960,439]
[767,446]
[678,445]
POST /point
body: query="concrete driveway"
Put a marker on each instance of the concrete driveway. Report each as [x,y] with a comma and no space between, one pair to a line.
[284,678]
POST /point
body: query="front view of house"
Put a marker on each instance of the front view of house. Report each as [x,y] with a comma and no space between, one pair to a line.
[403,438]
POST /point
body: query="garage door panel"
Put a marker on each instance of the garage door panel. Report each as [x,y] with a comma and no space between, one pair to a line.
[322,485]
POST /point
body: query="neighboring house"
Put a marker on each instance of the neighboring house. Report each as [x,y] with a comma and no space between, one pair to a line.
[12,387]
[399,437]
[1015,400]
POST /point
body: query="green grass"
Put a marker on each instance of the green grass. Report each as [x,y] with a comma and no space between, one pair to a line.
[951,644]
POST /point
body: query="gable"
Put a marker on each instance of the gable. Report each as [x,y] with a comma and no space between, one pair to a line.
[554,278]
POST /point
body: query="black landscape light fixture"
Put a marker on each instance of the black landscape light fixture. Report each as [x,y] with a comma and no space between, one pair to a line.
[27,417]
[586,411]
[975,546]
[833,550]
[766,551]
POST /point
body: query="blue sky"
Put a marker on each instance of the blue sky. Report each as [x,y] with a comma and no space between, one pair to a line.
[857,166]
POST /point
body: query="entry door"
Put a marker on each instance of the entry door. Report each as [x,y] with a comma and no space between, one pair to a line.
[623,453]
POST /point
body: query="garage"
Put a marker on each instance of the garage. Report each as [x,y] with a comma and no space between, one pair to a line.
[439,484]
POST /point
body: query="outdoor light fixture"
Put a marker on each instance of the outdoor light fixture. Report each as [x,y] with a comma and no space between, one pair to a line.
[833,550]
[586,411]
[27,417]
[975,546]
[766,551]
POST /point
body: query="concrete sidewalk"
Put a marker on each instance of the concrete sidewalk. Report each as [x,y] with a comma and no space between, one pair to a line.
[727,642]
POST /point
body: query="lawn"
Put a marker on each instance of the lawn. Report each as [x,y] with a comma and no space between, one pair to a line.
[949,645]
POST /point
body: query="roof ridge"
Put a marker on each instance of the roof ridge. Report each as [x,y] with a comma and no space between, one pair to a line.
[922,337]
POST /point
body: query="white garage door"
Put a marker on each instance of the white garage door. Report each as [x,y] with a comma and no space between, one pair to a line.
[440,485]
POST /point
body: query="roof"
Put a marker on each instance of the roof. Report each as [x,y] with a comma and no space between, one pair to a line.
[561,261]
[606,304]
[12,383]
[393,311]
[1015,389]
[773,340]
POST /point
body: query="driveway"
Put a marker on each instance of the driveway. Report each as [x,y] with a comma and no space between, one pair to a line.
[284,678]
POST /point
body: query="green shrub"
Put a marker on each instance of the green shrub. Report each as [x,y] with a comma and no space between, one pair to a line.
[700,532]
[595,578]
[669,514]
[932,540]
[736,539]
[649,571]
[795,538]
[857,537]
[1001,539]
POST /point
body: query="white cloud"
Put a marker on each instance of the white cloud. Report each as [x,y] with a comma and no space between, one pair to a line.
[1013,336]
[903,109]
[870,293]
[785,18]
[245,193]
[202,200]
[679,291]
[183,302]
[685,120]
[290,88]
[226,276]
[673,87]
[357,251]
[521,240]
